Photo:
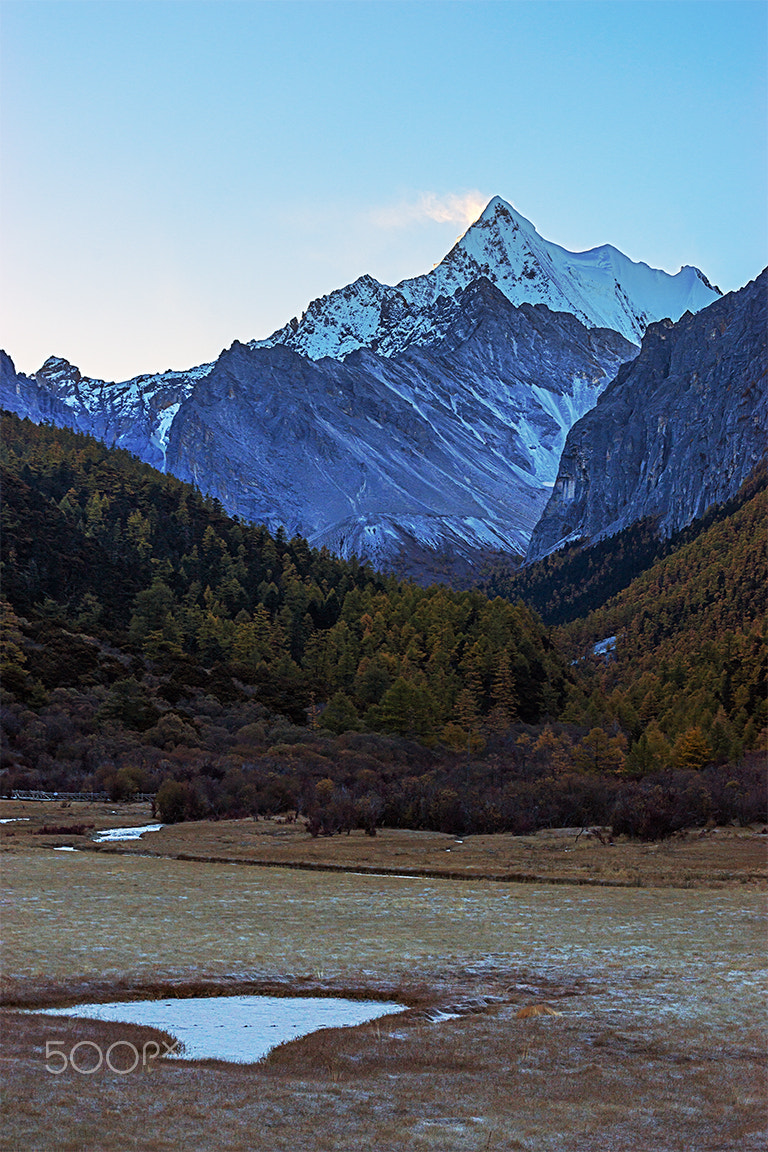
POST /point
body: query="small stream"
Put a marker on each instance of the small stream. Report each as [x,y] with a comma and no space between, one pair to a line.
[240,1029]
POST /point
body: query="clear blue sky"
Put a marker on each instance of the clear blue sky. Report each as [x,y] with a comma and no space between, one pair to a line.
[179,175]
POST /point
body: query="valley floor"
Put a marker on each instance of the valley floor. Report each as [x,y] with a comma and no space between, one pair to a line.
[658,1041]
[713,858]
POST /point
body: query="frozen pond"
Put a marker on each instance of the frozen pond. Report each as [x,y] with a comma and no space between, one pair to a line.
[110,834]
[235,1028]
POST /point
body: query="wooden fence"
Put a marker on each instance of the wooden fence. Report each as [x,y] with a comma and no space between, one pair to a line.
[93,797]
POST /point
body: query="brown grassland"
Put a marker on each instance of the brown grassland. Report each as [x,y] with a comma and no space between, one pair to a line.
[652,956]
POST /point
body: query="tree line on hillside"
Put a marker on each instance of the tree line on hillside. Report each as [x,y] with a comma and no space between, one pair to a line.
[691,648]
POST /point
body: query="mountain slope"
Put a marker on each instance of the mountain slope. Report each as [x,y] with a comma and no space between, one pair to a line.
[678,429]
[602,288]
[451,446]
[150,640]
[129,575]
[580,578]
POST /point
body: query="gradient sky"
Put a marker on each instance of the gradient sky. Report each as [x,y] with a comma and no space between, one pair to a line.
[177,175]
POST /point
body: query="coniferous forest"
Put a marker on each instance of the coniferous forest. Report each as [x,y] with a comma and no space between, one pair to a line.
[151,643]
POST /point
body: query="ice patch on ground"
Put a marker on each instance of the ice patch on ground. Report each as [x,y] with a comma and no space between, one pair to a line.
[238,1029]
[108,835]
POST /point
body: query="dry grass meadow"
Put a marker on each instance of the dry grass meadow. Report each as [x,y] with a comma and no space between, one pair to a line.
[654,960]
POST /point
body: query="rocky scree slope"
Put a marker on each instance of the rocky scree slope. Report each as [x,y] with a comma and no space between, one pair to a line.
[679,428]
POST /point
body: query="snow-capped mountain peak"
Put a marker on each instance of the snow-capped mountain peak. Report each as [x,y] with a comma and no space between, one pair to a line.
[601,287]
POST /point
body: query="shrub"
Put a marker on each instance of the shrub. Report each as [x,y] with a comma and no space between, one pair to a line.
[171,801]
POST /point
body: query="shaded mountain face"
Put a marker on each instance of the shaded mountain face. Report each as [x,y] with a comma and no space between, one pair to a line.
[679,428]
[602,288]
[26,396]
[445,450]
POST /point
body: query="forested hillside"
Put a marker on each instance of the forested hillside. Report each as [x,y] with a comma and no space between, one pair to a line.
[151,642]
[690,647]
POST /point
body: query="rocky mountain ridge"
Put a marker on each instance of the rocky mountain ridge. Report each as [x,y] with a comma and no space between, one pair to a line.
[135,414]
[678,429]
